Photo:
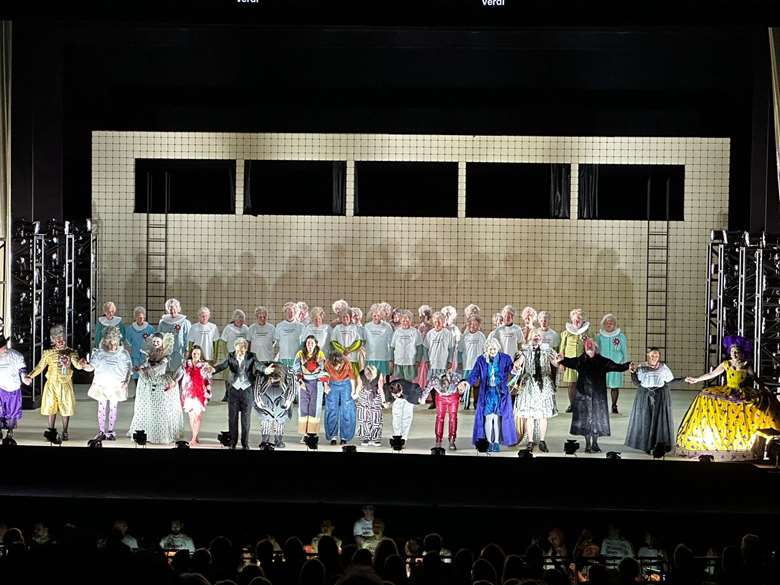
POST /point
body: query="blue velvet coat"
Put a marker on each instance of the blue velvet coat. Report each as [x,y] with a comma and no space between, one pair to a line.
[479,373]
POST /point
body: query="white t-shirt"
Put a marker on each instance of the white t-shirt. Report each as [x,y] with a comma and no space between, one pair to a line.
[321,333]
[510,337]
[204,336]
[346,335]
[404,345]
[377,337]
[261,341]
[551,338]
[177,542]
[618,548]
[363,528]
[288,339]
[439,345]
[471,346]
[654,378]
[11,361]
[230,333]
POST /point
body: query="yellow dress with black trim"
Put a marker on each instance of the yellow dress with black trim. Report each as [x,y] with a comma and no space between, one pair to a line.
[571,346]
[58,396]
[723,420]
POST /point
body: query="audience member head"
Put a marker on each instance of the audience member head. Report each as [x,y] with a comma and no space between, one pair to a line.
[483,570]
[432,543]
[514,568]
[384,549]
[462,562]
[493,554]
[264,551]
[598,574]
[347,552]
[363,558]
[312,573]
[200,562]
[260,581]
[328,552]
[192,579]
[628,571]
[360,575]
[293,551]
[534,559]
[248,573]
[394,570]
[751,550]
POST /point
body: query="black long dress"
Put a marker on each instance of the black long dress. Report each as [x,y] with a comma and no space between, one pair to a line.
[651,416]
[590,411]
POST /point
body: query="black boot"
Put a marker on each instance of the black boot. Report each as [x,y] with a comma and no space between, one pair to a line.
[279,442]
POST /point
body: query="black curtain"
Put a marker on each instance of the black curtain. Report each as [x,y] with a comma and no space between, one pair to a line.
[339,187]
[588,204]
[560,187]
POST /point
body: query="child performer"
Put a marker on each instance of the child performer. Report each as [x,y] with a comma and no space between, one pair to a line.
[471,346]
[613,345]
[446,384]
[590,416]
[109,318]
[493,418]
[370,401]
[204,334]
[406,346]
[136,335]
[650,422]
[340,400]
[345,338]
[196,389]
[57,397]
[439,346]
[112,367]
[405,395]
[309,372]
[571,347]
[528,315]
[12,371]
[378,335]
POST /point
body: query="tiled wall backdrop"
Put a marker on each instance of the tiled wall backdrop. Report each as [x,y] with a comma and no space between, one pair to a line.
[229,261]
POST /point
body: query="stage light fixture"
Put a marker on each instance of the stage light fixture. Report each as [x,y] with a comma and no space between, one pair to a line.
[397,442]
[525,454]
[224,438]
[571,446]
[182,445]
[706,458]
[613,456]
[52,436]
[311,440]
[660,450]
[139,438]
[438,451]
[267,447]
[349,449]
[482,445]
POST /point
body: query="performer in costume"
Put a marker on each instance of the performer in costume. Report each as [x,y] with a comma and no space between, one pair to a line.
[338,307]
[722,420]
[345,338]
[613,345]
[317,328]
[439,347]
[241,392]
[471,346]
[357,320]
[12,372]
[406,346]
[549,336]
[404,395]
[232,331]
[508,334]
[590,416]
[157,409]
[571,347]
[493,418]
[309,371]
[113,367]
[529,316]
[370,401]
[57,397]
[261,337]
[378,335]
[273,397]
[535,402]
[136,335]
[650,422]
[340,390]
[109,318]
[446,384]
[450,315]
[195,389]
[287,335]
[425,315]
[178,325]
[204,334]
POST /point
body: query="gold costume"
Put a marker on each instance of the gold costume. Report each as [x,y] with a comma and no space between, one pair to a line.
[571,347]
[58,396]
[722,420]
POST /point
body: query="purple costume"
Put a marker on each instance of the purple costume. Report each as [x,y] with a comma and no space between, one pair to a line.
[12,368]
[480,373]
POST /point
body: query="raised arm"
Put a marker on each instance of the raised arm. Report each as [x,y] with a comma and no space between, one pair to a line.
[713,374]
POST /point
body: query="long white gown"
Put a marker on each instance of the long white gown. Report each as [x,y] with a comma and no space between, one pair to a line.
[157,411]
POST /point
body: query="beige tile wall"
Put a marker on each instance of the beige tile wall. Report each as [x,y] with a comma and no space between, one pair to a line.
[242,261]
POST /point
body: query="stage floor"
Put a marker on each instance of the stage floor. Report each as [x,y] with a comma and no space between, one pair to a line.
[83,427]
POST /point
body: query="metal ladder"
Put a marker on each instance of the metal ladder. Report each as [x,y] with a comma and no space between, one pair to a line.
[156,251]
[656,290]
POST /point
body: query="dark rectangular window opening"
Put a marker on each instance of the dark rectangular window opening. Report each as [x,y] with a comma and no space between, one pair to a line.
[406,189]
[517,190]
[185,186]
[295,187]
[632,192]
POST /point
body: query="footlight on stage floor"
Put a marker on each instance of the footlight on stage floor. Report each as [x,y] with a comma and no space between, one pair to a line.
[482,445]
[224,438]
[397,443]
[349,448]
[613,456]
[706,458]
[571,446]
[182,445]
[139,438]
[311,440]
[660,450]
[438,451]
[52,436]
[525,454]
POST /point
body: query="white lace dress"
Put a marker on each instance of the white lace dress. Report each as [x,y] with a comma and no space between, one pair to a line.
[157,411]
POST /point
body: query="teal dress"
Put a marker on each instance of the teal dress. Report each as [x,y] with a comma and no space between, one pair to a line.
[613,346]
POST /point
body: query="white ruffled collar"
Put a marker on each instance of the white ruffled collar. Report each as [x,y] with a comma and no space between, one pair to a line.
[173,320]
[583,328]
[115,320]
[142,327]
[614,333]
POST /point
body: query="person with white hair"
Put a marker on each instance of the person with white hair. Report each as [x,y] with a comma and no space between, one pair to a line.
[425,319]
[377,335]
[12,371]
[204,334]
[406,348]
[338,307]
[572,338]
[470,347]
[112,367]
[318,329]
[345,338]
[243,368]
[261,336]
[136,334]
[232,331]
[509,335]
[109,318]
[439,347]
[528,314]
[613,344]
[59,362]
[549,335]
[302,313]
[287,335]
[450,315]
[357,320]
[178,325]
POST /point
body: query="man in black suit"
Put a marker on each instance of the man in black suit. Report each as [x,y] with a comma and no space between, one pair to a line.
[243,370]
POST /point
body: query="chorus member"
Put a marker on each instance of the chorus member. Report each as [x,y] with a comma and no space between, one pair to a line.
[378,336]
[345,338]
[549,335]
[340,390]
[446,385]
[232,331]
[287,336]
[470,347]
[338,307]
[302,313]
[195,389]
[136,335]
[571,347]
[529,317]
[357,320]
[471,310]
[406,347]
[370,401]
[425,319]
[204,334]
[395,318]
[590,417]
[404,396]
[509,335]
[310,377]
[59,362]
[439,346]
[178,325]
[318,328]
[261,337]
[109,318]
[613,345]
[535,402]
[723,420]
[243,367]
[157,407]
[273,398]
[113,367]
[493,418]
[12,372]
[450,315]
[650,422]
